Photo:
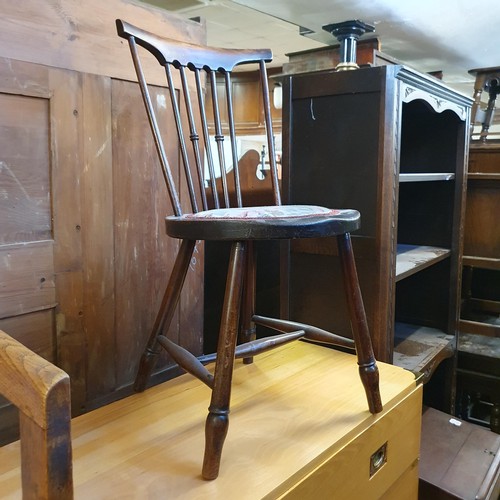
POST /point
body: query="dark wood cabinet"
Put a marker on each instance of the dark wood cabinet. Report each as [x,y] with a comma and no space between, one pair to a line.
[481,261]
[247,97]
[478,372]
[391,143]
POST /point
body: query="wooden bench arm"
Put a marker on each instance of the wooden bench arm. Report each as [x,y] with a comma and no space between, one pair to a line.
[41,392]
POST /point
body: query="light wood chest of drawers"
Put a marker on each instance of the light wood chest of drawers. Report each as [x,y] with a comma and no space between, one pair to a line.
[299,428]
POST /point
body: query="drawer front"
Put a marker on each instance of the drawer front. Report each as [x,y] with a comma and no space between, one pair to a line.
[346,473]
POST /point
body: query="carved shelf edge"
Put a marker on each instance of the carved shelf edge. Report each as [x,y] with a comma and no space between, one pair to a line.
[432,86]
[415,85]
[421,349]
[411,259]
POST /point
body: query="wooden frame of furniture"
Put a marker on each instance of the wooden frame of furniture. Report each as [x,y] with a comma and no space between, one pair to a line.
[478,376]
[396,142]
[41,392]
[74,251]
[457,459]
[482,241]
[313,448]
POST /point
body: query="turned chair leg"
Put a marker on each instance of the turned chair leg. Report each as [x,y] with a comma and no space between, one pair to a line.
[248,330]
[218,418]
[368,370]
[165,313]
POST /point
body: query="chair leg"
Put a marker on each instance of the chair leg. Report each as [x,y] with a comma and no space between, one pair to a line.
[368,370]
[165,313]
[218,417]
[248,331]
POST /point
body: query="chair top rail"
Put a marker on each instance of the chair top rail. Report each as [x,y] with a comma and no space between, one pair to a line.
[168,51]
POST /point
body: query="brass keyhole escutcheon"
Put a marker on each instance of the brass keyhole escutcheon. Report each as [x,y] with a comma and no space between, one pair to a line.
[378,459]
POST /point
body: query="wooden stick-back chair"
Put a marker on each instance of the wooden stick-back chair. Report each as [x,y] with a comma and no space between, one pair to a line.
[196,66]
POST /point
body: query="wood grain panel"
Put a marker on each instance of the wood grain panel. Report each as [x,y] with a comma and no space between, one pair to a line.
[35,330]
[27,277]
[25,212]
[335,476]
[245,92]
[103,203]
[82,36]
[97,235]
[17,77]
[293,409]
[484,160]
[67,149]
[143,252]
[481,236]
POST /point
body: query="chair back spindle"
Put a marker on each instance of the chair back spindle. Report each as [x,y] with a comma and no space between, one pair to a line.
[232,134]
[219,138]
[269,131]
[200,70]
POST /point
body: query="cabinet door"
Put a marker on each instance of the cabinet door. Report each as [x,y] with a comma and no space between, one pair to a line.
[40,265]
[84,253]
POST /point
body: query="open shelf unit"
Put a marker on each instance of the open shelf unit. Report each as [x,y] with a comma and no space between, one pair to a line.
[391,143]
[480,309]
[428,231]
[478,367]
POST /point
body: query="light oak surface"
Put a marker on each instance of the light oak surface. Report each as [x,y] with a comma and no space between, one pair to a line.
[299,421]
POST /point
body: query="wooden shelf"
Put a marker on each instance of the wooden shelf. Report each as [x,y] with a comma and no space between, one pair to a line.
[420,348]
[486,176]
[411,259]
[426,177]
[479,345]
[482,262]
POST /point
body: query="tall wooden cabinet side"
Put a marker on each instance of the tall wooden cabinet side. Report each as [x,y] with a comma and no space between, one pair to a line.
[85,253]
[391,143]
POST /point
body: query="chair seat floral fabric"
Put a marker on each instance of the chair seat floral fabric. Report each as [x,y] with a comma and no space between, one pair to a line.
[270,222]
[268,212]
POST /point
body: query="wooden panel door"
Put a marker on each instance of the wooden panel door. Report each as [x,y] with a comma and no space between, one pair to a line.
[84,256]
[39,252]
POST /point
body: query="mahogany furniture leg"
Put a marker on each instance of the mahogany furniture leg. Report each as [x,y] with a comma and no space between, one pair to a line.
[368,370]
[248,330]
[165,314]
[218,417]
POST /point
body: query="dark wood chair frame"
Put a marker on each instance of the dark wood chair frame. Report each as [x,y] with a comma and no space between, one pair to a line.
[204,64]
